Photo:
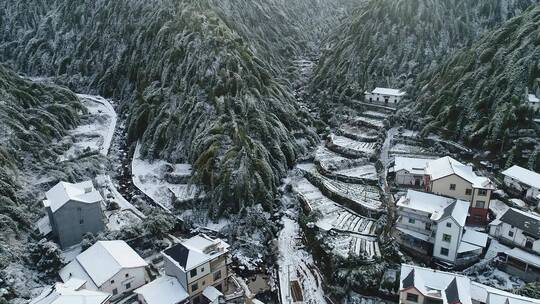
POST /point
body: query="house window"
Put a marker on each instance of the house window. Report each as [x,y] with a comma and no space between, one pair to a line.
[446,237]
[482,192]
[412,221]
[127,275]
[477,218]
[112,281]
[444,251]
[128,285]
[411,297]
[202,269]
[203,283]
[428,226]
[194,287]
[115,291]
[480,204]
[449,225]
[468,191]
[79,209]
[452,187]
[510,233]
[81,221]
[193,272]
[217,275]
[197,300]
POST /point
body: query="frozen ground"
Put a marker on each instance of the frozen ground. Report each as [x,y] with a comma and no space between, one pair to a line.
[149,177]
[96,130]
[296,264]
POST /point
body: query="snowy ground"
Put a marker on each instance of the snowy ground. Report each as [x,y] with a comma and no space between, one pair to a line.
[149,177]
[296,264]
[97,129]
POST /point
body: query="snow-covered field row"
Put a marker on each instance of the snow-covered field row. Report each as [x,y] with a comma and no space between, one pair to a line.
[333,215]
[366,172]
[350,245]
[371,113]
[409,150]
[96,130]
[150,178]
[329,160]
[351,146]
[377,123]
[361,133]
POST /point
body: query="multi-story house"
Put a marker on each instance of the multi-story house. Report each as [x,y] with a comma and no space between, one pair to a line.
[446,176]
[73,210]
[108,266]
[434,225]
[384,95]
[199,264]
[420,285]
[523,181]
[521,230]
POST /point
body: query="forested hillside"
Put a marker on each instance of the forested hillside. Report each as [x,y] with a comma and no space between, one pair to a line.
[197,76]
[389,42]
[479,93]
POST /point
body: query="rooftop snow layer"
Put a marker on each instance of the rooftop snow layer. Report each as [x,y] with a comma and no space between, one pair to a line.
[387,91]
[446,166]
[70,293]
[523,175]
[163,290]
[412,165]
[64,192]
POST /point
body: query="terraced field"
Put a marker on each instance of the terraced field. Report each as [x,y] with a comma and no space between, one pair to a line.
[365,172]
[351,147]
[406,149]
[351,246]
[369,121]
[360,133]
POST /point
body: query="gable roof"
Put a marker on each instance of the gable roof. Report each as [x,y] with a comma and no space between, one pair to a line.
[64,192]
[528,222]
[70,292]
[523,175]
[487,294]
[533,99]
[412,165]
[163,290]
[439,207]
[446,166]
[387,91]
[102,261]
[195,251]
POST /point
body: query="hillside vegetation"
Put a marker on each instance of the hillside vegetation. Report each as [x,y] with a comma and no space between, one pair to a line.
[202,81]
[390,42]
[478,94]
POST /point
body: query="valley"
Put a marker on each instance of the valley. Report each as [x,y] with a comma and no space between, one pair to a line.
[269,151]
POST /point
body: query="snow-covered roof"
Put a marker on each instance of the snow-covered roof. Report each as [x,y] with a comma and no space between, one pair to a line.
[448,287]
[212,294]
[475,237]
[71,292]
[412,165]
[195,251]
[533,98]
[163,290]
[523,175]
[526,221]
[438,206]
[387,91]
[102,261]
[466,247]
[487,294]
[446,166]
[522,255]
[64,192]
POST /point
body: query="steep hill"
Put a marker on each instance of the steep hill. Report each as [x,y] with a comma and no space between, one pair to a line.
[478,94]
[389,42]
[202,80]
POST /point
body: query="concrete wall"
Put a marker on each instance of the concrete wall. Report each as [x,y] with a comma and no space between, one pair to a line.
[442,186]
[136,277]
[74,219]
[172,270]
[455,231]
[405,178]
[502,231]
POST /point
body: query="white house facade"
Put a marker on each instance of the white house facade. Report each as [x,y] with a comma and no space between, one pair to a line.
[384,96]
[108,266]
[435,225]
[524,181]
[409,171]
[517,228]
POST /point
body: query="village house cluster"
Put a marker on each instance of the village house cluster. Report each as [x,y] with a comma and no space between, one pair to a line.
[194,270]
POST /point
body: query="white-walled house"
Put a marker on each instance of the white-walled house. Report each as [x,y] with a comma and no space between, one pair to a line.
[524,181]
[517,228]
[71,292]
[533,102]
[446,176]
[435,226]
[409,171]
[108,266]
[73,210]
[419,285]
[384,95]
